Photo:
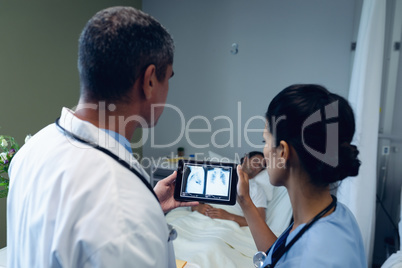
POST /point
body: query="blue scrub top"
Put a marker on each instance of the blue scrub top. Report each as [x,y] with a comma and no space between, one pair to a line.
[333,241]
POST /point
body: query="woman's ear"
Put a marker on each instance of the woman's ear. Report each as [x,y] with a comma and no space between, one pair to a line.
[149,81]
[284,150]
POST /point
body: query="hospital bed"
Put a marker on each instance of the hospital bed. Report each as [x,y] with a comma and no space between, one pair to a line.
[395,260]
[3,257]
[222,243]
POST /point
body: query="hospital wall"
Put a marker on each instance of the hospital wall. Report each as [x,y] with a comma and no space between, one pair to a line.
[38,64]
[225,94]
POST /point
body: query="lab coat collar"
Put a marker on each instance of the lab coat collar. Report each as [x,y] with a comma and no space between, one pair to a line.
[91,133]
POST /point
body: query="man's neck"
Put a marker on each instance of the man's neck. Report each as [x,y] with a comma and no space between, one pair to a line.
[114,117]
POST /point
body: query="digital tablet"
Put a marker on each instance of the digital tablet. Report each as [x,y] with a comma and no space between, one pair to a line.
[206,182]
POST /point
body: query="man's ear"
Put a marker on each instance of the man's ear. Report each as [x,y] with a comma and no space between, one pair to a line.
[149,81]
[284,150]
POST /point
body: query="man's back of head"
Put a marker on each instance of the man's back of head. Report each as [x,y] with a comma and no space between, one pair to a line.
[115,47]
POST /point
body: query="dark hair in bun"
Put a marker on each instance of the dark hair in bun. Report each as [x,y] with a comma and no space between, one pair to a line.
[320,126]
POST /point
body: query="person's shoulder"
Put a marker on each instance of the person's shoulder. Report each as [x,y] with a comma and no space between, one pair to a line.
[338,225]
[257,194]
[344,218]
[261,181]
[41,143]
[338,238]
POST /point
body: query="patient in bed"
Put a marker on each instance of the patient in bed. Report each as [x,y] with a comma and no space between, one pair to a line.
[253,165]
[211,242]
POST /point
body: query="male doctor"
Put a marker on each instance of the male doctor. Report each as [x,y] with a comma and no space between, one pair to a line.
[78,198]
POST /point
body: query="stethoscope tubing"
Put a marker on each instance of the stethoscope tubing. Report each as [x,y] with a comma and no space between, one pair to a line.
[109,153]
[302,231]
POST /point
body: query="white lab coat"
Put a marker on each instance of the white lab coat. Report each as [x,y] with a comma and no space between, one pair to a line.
[70,205]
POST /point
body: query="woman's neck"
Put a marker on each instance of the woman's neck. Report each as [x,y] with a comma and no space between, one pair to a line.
[307,200]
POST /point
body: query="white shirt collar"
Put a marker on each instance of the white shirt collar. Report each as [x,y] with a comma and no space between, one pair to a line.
[92,134]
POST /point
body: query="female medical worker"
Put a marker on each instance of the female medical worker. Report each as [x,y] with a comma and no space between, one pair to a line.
[307,147]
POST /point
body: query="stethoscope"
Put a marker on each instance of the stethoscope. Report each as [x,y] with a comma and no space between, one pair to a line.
[260,256]
[172,231]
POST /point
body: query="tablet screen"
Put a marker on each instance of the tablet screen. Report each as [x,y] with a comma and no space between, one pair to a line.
[206,182]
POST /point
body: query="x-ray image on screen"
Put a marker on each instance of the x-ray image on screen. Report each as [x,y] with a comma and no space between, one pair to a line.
[217,181]
[195,179]
[206,182]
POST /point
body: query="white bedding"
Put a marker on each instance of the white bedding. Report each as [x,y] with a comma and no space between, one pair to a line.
[394,261]
[3,257]
[222,243]
[211,243]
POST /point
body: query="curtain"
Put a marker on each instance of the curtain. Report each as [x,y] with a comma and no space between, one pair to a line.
[358,193]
